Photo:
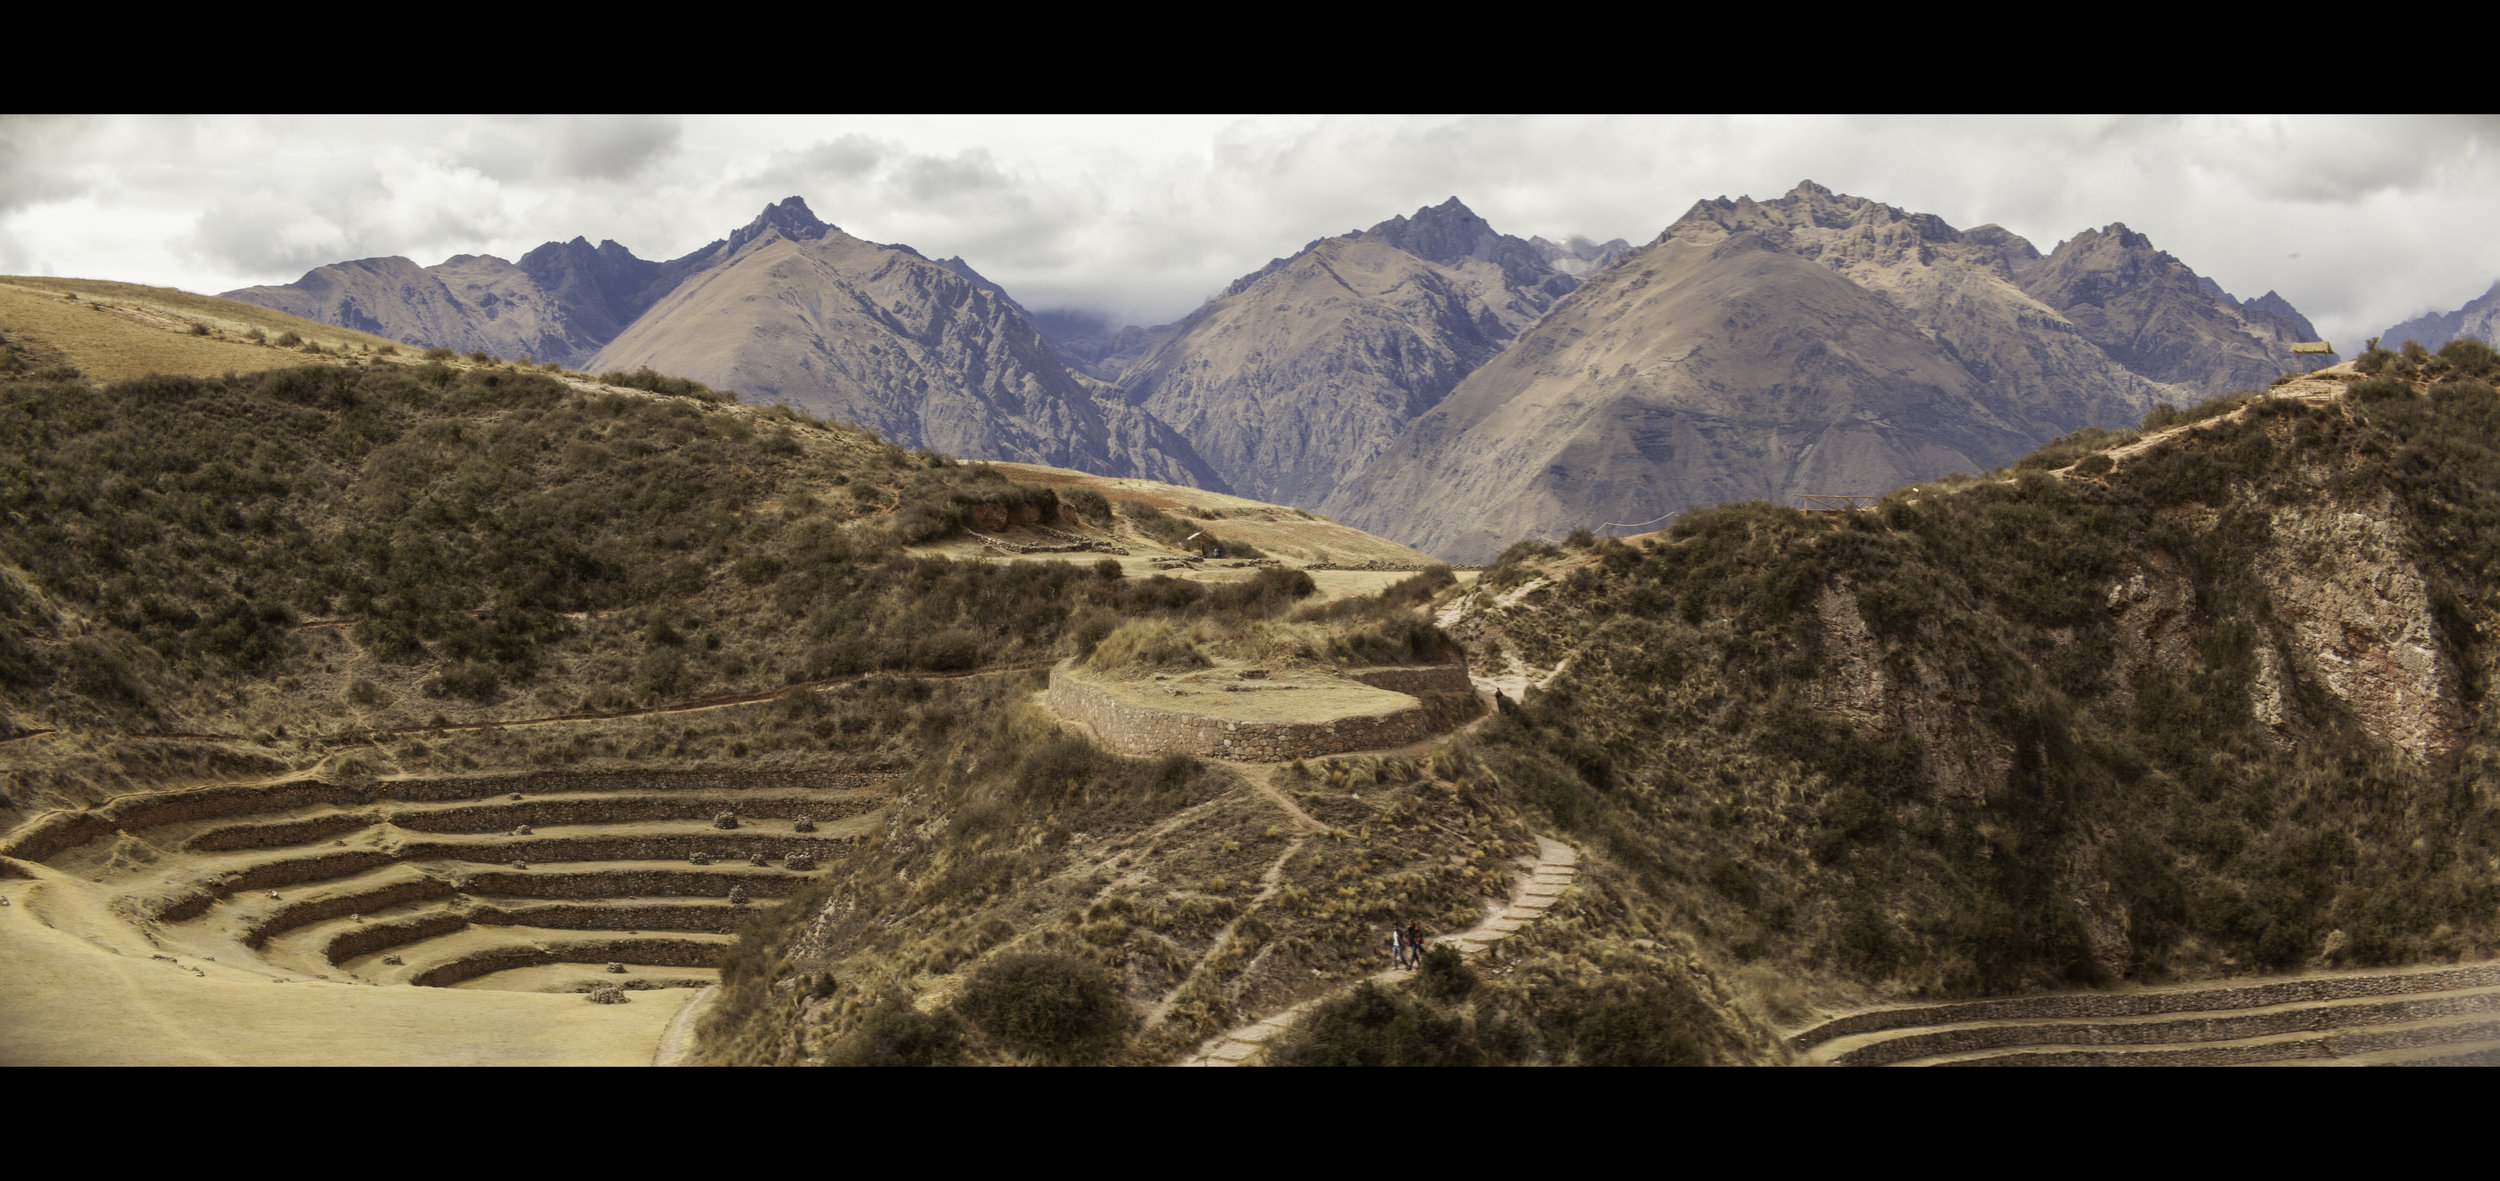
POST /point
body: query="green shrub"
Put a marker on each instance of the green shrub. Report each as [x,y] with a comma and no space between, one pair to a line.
[1371,1027]
[1147,645]
[646,379]
[1444,975]
[1058,1007]
[2378,389]
[2469,357]
[1086,503]
[895,1034]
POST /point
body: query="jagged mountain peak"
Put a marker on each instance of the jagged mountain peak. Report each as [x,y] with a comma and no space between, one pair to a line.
[1443,233]
[791,217]
[1807,207]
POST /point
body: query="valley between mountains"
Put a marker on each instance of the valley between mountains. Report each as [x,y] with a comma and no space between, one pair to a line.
[440,665]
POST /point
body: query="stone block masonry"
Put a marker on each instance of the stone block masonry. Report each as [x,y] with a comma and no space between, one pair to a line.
[1145,730]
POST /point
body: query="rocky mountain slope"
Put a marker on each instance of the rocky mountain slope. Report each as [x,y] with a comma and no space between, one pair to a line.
[2194,701]
[927,353]
[1304,370]
[787,309]
[2150,313]
[559,303]
[1815,343]
[2479,320]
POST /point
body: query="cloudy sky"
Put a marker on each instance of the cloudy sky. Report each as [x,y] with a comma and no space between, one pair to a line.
[2360,221]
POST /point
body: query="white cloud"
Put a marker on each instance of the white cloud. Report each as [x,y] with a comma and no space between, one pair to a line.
[1144,216]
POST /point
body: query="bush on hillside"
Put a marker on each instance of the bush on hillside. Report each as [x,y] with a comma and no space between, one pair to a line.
[895,1034]
[1058,1007]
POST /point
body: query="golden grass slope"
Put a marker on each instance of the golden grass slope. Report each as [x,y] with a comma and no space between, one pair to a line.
[1283,532]
[112,331]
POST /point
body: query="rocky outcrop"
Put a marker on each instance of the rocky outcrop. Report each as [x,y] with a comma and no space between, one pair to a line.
[2362,625]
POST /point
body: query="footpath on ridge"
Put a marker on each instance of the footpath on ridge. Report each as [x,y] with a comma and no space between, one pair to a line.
[1540,884]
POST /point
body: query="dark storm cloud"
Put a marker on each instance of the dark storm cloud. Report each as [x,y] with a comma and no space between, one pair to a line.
[615,147]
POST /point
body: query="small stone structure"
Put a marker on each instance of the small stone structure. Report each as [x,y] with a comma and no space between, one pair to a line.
[1136,729]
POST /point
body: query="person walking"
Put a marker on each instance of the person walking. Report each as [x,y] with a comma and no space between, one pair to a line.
[1415,942]
[1397,947]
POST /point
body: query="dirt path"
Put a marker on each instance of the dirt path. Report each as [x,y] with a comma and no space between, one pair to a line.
[1538,888]
[677,1043]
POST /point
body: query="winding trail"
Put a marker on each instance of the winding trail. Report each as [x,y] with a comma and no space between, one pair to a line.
[1539,886]
[677,1044]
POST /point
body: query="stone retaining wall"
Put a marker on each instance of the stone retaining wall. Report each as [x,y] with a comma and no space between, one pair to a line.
[2137,1004]
[669,952]
[534,783]
[690,882]
[2192,1028]
[48,835]
[2336,1044]
[374,937]
[503,815]
[1417,680]
[1143,730]
[584,917]
[319,867]
[299,914]
[720,844]
[269,836]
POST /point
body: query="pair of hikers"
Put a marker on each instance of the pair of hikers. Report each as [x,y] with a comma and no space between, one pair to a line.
[1406,945]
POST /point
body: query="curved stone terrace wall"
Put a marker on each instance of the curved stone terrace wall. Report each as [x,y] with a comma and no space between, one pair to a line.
[1136,729]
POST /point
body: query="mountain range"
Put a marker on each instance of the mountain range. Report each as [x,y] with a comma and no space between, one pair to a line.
[1428,378]
[2479,319]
